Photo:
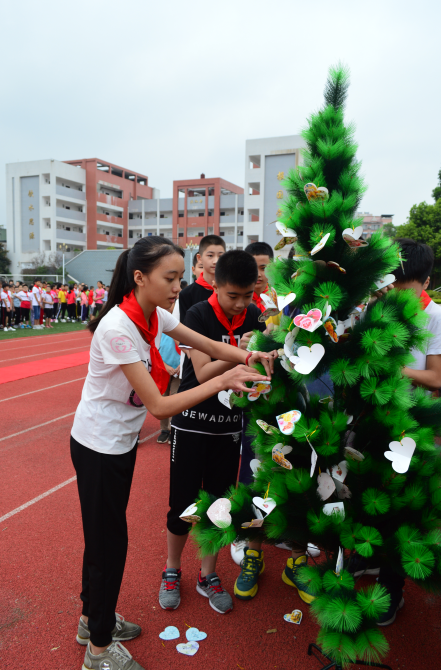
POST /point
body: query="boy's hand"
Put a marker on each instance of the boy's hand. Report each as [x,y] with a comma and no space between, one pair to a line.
[177,371]
[170,370]
[244,340]
[236,378]
[266,359]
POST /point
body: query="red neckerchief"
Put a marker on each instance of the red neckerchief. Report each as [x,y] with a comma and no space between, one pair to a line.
[130,306]
[231,326]
[425,299]
[201,281]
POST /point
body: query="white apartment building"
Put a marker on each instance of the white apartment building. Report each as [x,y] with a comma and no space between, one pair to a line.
[45,210]
[267,162]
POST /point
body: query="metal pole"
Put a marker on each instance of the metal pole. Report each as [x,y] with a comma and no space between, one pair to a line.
[63,268]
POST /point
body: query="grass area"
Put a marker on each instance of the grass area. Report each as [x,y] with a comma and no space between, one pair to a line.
[57,328]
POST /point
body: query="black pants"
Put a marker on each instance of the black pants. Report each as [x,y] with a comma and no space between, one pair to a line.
[199,461]
[391,579]
[71,310]
[104,482]
[245,474]
[63,310]
[17,314]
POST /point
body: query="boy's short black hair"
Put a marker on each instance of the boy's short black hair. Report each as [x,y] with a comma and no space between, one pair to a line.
[210,240]
[260,249]
[184,283]
[237,268]
[418,259]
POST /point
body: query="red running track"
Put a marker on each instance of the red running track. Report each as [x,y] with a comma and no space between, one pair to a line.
[41,551]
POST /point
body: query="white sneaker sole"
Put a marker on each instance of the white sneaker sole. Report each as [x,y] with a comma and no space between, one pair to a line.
[170,608]
[202,592]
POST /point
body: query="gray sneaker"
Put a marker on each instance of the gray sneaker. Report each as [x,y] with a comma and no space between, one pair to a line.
[211,587]
[169,593]
[116,657]
[123,630]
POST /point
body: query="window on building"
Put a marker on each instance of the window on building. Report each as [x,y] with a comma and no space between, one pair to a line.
[119,234]
[222,234]
[161,235]
[201,214]
[180,234]
[67,228]
[241,212]
[240,233]
[130,234]
[222,213]
[210,213]
[150,235]
[181,216]
[162,216]
[107,232]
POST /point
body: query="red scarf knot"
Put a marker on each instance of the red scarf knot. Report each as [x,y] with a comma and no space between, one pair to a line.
[130,306]
[201,281]
[258,301]
[425,299]
[231,326]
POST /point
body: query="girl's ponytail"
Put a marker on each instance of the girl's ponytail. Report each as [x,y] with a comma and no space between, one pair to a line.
[145,255]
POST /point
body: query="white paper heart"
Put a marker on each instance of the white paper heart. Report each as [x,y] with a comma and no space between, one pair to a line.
[219,513]
[279,458]
[285,363]
[254,523]
[258,388]
[188,649]
[353,454]
[352,237]
[285,450]
[285,300]
[256,512]
[170,633]
[386,281]
[355,233]
[310,321]
[287,421]
[285,231]
[308,358]
[189,514]
[265,504]
[401,454]
[195,635]
[224,398]
[334,508]
[318,247]
[313,459]
[294,617]
[269,430]
[340,471]
[326,485]
[254,465]
[339,564]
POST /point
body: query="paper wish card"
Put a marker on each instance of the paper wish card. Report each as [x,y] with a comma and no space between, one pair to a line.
[401,454]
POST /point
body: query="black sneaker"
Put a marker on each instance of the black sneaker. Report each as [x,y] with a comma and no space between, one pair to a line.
[359,566]
[396,603]
[163,437]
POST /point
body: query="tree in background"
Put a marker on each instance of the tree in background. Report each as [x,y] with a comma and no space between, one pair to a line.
[359,471]
[424,225]
[389,230]
[4,260]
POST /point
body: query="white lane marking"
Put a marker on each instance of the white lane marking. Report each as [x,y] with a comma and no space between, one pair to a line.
[72,339]
[40,425]
[45,389]
[8,360]
[26,339]
[56,488]
[34,500]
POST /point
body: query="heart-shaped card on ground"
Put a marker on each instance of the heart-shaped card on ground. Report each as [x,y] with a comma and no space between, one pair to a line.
[294,617]
[195,635]
[352,237]
[287,421]
[190,514]
[265,504]
[219,513]
[188,649]
[401,454]
[308,358]
[170,633]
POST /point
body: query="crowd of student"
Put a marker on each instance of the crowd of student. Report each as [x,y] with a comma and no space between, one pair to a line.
[171,351]
[41,304]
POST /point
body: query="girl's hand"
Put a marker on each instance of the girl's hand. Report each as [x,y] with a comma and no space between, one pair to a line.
[244,340]
[170,370]
[236,378]
[266,359]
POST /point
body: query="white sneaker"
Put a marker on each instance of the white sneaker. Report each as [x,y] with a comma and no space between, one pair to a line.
[5,330]
[55,320]
[238,551]
[63,320]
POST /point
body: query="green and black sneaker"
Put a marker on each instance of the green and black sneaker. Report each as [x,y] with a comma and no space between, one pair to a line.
[289,576]
[246,585]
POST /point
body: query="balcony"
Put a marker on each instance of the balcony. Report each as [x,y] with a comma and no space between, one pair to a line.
[70,235]
[105,218]
[228,218]
[110,200]
[70,214]
[109,240]
[70,192]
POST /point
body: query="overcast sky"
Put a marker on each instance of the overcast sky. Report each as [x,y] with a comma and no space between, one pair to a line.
[172,89]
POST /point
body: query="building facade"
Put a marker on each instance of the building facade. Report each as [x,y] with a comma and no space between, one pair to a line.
[267,163]
[373,223]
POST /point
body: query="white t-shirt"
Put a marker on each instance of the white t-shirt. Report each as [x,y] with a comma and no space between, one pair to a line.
[25,296]
[47,298]
[4,299]
[36,296]
[433,346]
[110,414]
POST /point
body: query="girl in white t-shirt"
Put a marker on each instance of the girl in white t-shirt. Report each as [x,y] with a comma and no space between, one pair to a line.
[126,377]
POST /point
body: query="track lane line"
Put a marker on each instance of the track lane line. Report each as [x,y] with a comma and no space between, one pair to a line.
[8,360]
[55,488]
[72,339]
[40,425]
[46,337]
[45,389]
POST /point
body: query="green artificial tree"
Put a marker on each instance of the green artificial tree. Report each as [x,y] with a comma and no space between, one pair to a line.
[380,513]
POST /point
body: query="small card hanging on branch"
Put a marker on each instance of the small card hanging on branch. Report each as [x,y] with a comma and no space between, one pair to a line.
[334,508]
[401,454]
[352,237]
[319,246]
[315,193]
[385,281]
[269,430]
[289,236]
[278,455]
[190,515]
[339,564]
[258,389]
[219,513]
[270,302]
[308,358]
[287,421]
